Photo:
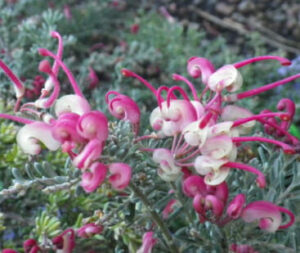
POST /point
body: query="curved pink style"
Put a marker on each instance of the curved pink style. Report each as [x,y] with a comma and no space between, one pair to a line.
[235,207]
[129,73]
[259,90]
[93,178]
[16,118]
[177,77]
[48,102]
[261,180]
[283,61]
[171,91]
[46,52]
[18,85]
[148,243]
[65,242]
[90,153]
[193,185]
[92,125]
[268,215]
[286,148]
[198,66]
[289,106]
[123,107]
[89,230]
[120,175]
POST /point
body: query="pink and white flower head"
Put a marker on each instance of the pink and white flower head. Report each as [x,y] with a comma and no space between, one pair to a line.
[209,202]
[148,243]
[226,77]
[94,177]
[72,103]
[235,207]
[167,170]
[267,214]
[219,147]
[30,136]
[200,67]
[193,185]
[194,135]
[65,242]
[207,164]
[124,108]
[89,154]
[89,230]
[242,248]
[64,129]
[93,125]
[233,113]
[171,119]
[120,175]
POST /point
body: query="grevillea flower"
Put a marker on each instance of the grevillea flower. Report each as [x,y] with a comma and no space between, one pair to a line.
[120,175]
[242,248]
[94,177]
[9,251]
[93,79]
[93,124]
[65,242]
[89,230]
[148,243]
[167,170]
[235,207]
[123,107]
[200,67]
[267,214]
[89,154]
[169,208]
[31,246]
[226,77]
[72,103]
[30,135]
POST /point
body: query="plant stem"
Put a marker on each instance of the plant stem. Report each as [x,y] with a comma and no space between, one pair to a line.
[159,222]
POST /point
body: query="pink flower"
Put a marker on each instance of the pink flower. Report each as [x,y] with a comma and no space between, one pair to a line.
[94,177]
[198,66]
[65,242]
[123,107]
[9,251]
[93,79]
[120,175]
[268,215]
[134,29]
[167,170]
[89,154]
[148,243]
[93,124]
[169,208]
[235,207]
[89,230]
[242,248]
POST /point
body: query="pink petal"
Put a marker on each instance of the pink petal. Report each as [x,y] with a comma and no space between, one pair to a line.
[120,175]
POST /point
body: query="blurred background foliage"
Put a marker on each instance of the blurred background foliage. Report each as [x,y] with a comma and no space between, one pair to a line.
[101,35]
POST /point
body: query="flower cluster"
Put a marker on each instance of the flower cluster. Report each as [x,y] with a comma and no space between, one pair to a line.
[207,131]
[77,129]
